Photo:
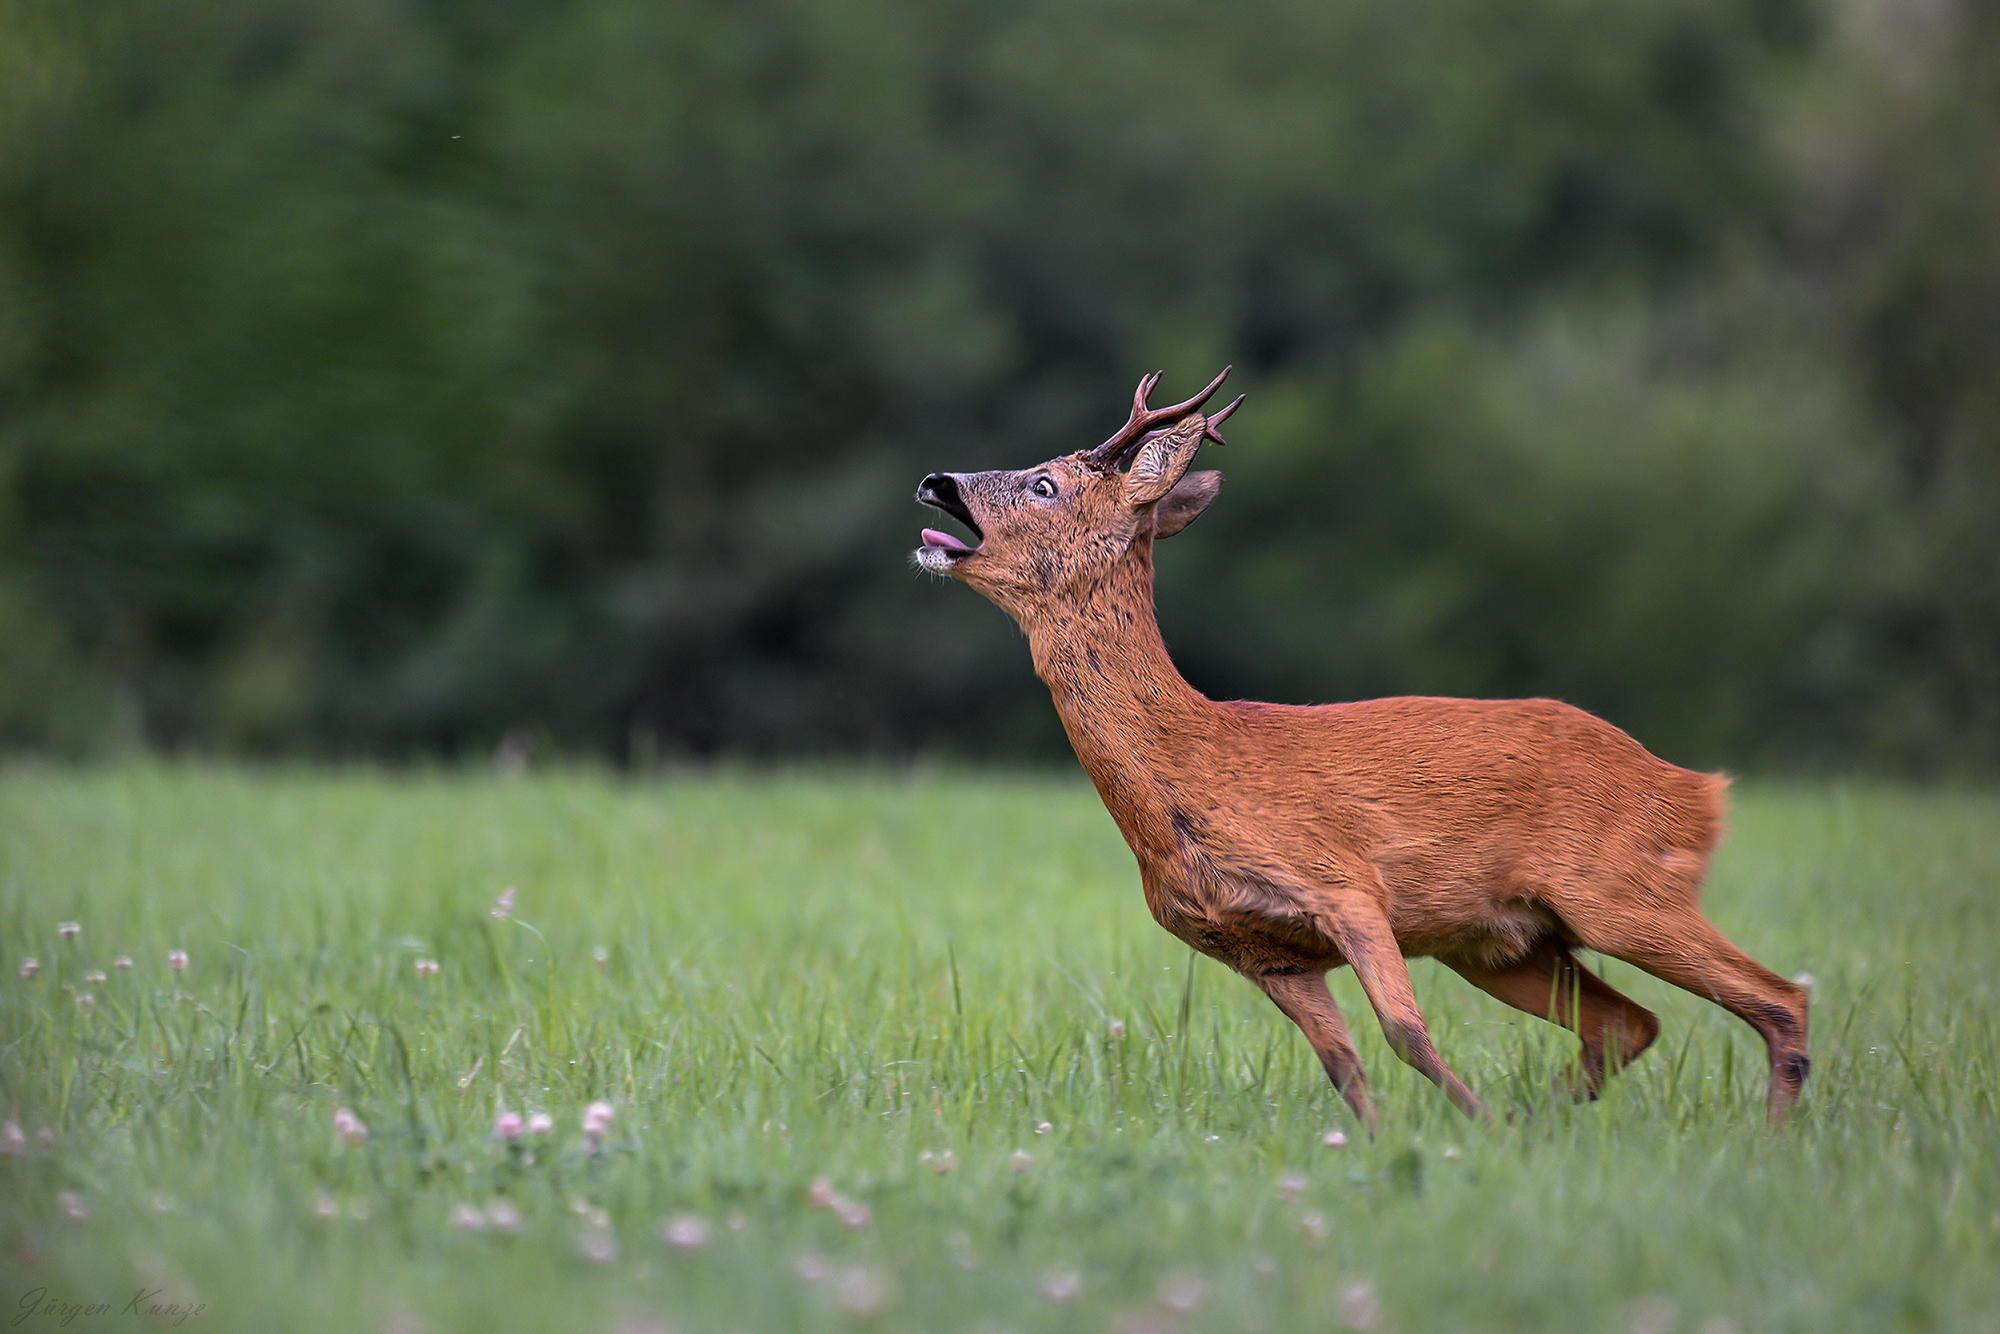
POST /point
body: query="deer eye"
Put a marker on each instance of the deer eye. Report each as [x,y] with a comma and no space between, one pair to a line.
[1044,486]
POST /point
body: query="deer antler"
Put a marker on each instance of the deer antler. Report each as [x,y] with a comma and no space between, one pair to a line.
[1216,419]
[1113,452]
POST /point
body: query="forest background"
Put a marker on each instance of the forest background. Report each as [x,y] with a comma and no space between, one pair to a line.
[399,378]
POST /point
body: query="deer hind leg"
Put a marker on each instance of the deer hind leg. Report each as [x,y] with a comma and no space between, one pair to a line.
[1689,952]
[1306,1002]
[1363,935]
[1549,983]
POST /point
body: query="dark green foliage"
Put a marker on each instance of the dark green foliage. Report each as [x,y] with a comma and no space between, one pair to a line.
[392,377]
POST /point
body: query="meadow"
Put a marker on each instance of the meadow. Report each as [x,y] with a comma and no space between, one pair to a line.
[308,1049]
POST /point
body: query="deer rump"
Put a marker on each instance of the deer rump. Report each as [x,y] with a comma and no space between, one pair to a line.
[1286,840]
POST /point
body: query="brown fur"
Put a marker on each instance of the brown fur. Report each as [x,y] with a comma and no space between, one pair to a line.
[1283,840]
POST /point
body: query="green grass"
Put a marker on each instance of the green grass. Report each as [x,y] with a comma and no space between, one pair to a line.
[835,974]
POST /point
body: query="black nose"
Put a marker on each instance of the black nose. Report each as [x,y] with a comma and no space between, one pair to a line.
[940,488]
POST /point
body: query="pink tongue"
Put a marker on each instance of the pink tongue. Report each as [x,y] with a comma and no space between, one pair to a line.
[933,538]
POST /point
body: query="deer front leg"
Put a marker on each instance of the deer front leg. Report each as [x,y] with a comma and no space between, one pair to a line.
[1306,1002]
[1363,935]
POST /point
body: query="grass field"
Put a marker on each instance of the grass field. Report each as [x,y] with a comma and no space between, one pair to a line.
[905,1052]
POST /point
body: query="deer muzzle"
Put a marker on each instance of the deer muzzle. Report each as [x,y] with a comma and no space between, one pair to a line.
[941,550]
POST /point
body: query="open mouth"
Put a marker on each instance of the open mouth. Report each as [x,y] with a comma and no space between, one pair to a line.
[941,493]
[950,545]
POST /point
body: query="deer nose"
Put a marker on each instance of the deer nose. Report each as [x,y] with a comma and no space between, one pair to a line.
[940,488]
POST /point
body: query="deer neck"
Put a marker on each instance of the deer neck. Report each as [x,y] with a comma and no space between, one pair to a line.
[1129,714]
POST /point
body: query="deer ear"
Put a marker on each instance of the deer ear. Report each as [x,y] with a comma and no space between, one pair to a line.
[1183,505]
[1161,461]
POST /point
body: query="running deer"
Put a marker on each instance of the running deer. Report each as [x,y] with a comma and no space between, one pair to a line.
[1286,840]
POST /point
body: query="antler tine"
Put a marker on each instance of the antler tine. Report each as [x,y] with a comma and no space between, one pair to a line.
[1144,419]
[1216,419]
[1107,453]
[1147,383]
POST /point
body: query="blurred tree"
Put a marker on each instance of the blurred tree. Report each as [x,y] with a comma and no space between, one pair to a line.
[1895,144]
[383,378]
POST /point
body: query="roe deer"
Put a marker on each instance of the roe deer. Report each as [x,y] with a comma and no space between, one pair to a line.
[1287,840]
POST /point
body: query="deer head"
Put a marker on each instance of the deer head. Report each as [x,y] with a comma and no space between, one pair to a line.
[1049,532]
